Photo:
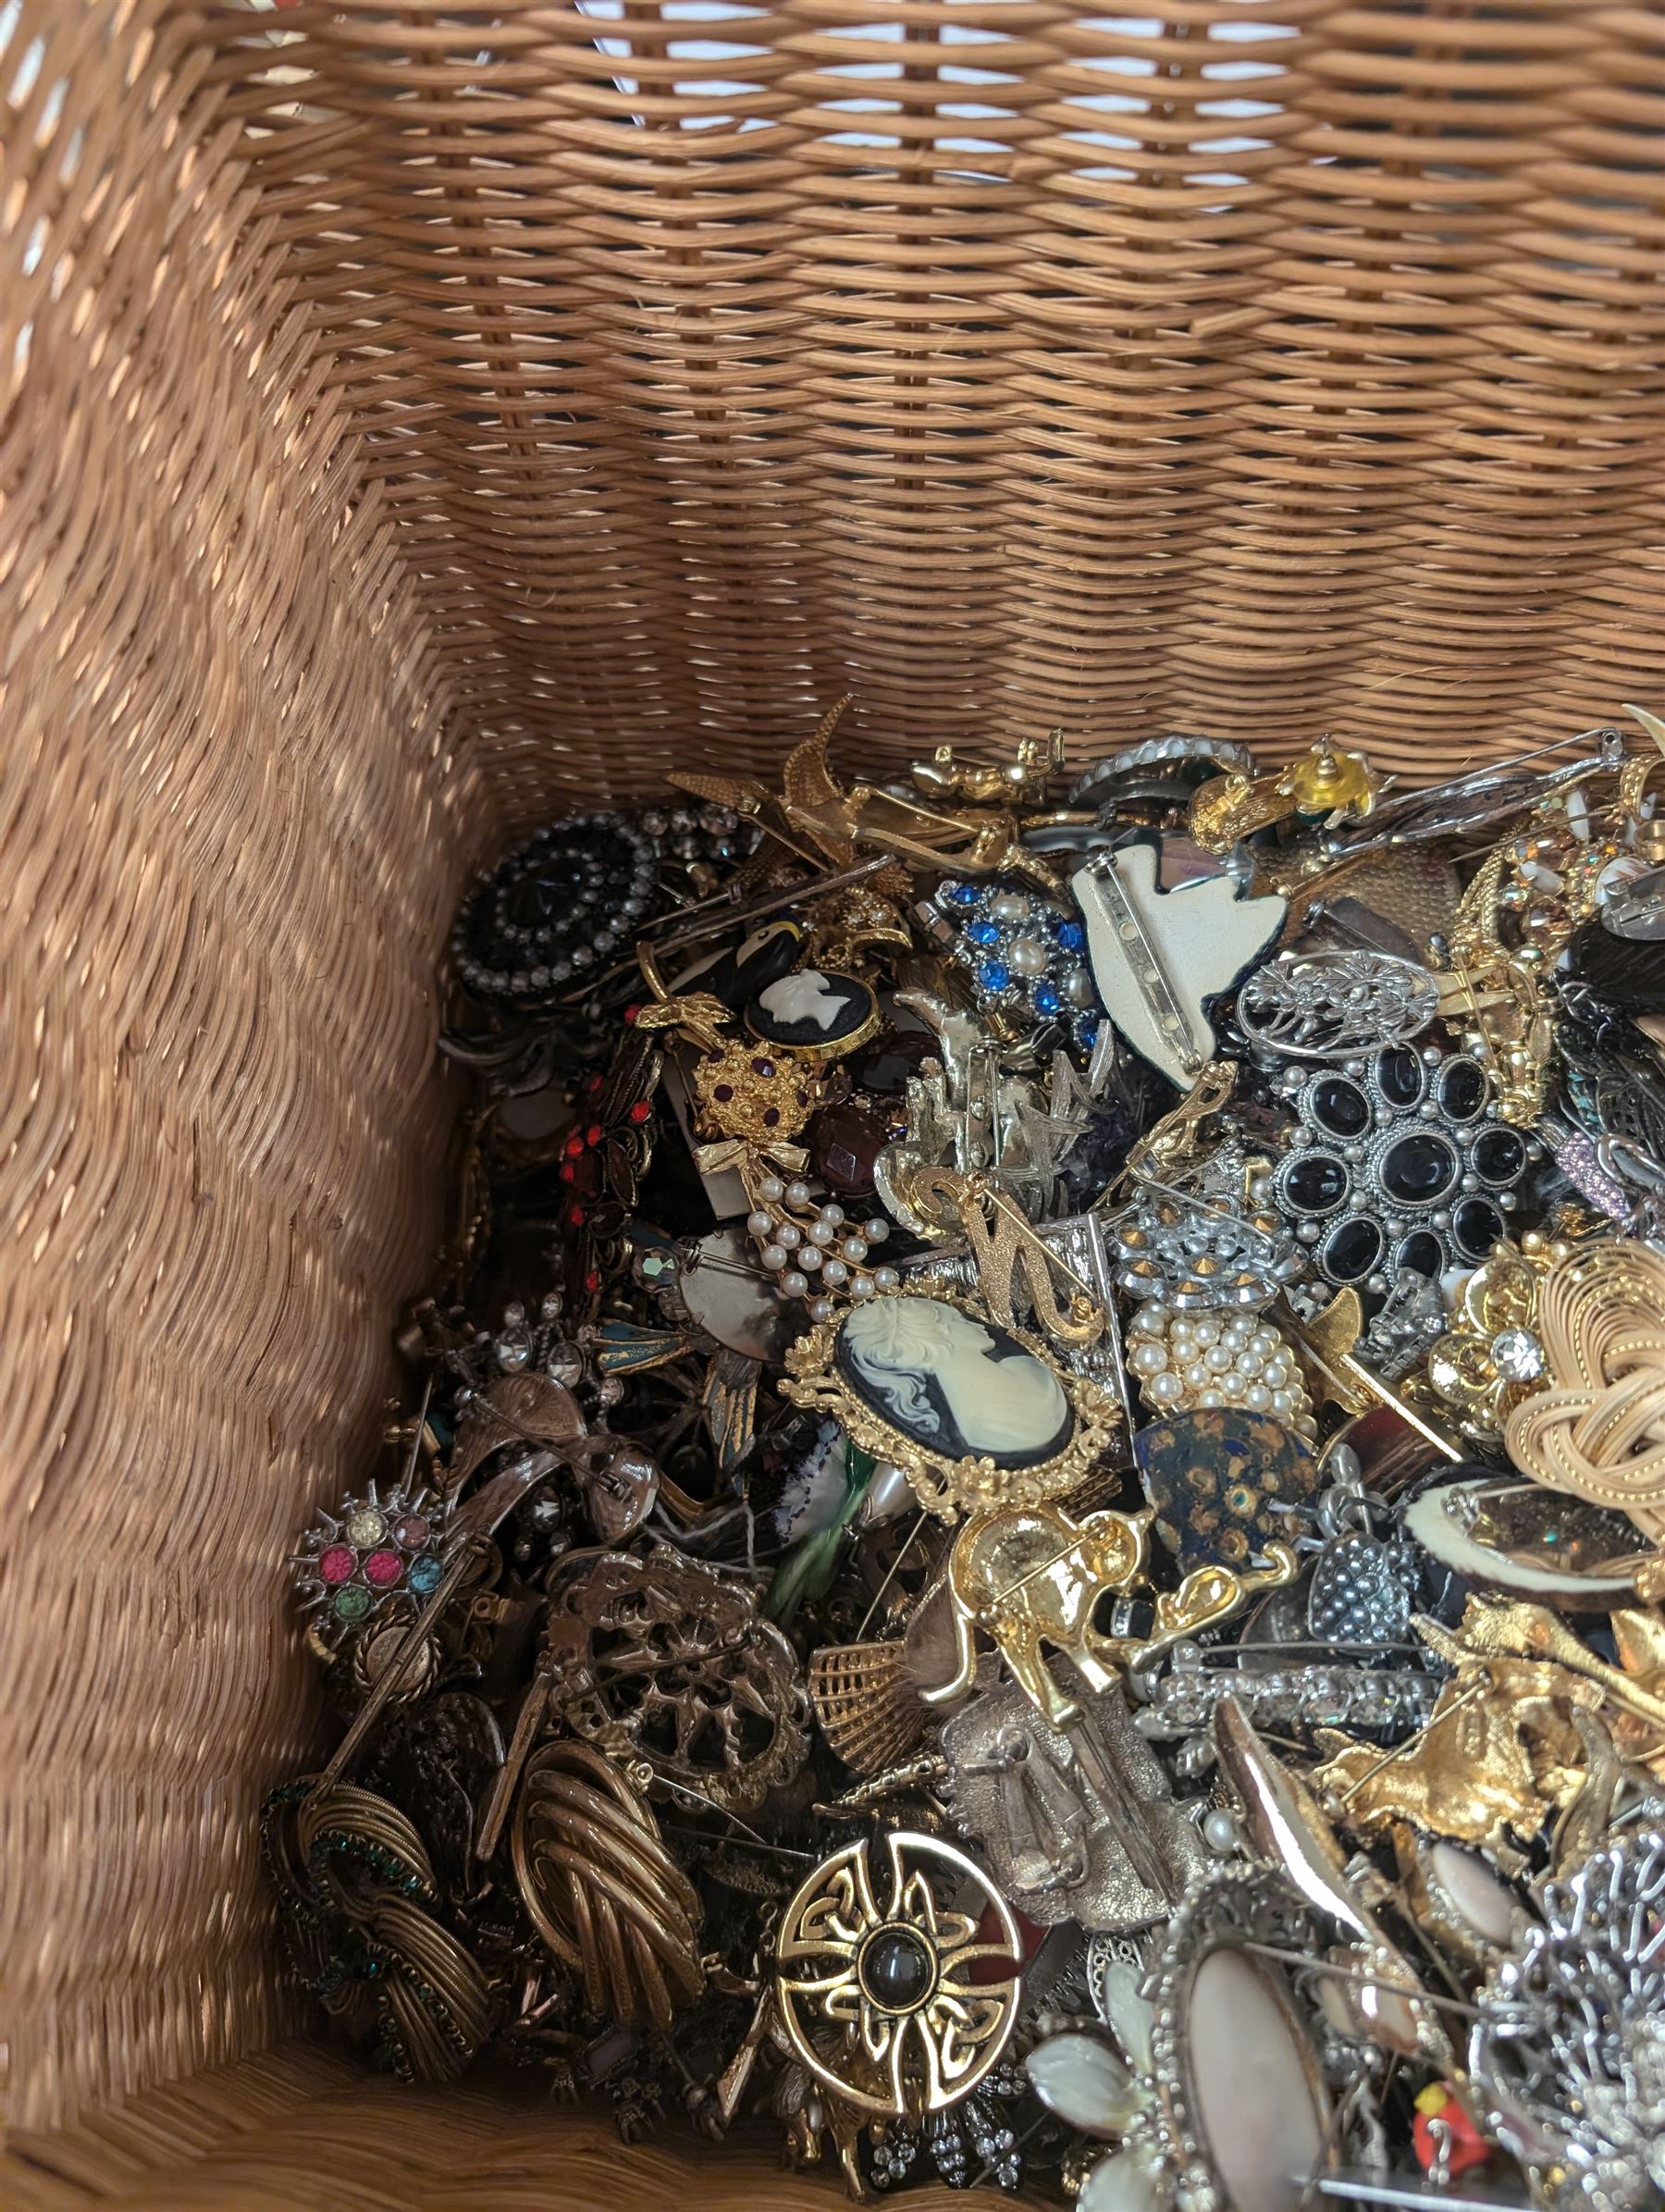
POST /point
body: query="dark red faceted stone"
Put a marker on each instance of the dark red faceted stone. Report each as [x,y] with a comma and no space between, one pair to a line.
[843,1144]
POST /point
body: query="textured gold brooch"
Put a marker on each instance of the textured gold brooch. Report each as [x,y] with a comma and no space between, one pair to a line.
[1597,1429]
[889,1990]
[1491,1357]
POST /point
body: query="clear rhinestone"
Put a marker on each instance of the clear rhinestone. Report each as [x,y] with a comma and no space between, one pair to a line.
[1517,1355]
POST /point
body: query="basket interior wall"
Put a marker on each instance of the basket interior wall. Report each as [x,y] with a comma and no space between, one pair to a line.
[1224,364]
[409,417]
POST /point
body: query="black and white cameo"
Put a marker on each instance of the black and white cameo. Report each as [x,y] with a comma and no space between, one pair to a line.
[813,1010]
[956,1387]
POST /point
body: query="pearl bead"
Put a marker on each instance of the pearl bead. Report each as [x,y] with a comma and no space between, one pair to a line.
[820,1309]
[774,1255]
[1167,1390]
[1149,1320]
[1283,1405]
[876,1230]
[771,1189]
[855,1250]
[1209,1398]
[1009,906]
[833,1215]
[1026,956]
[861,1286]
[886,1278]
[790,1235]
[1220,1832]
[1232,1386]
[795,1284]
[1216,1359]
[1257,1398]
[836,1272]
[1077,987]
[809,1256]
[1249,1364]
[761,1224]
[1197,1376]
[1148,1358]
[1206,1329]
[798,1194]
[1265,1341]
[822,1231]
[1182,1334]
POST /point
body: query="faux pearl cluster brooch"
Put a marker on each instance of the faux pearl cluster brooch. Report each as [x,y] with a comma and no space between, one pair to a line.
[802,1244]
[1184,1361]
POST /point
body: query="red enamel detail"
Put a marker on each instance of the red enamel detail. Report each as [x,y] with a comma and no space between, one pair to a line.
[384,1569]
[1030,1937]
[1447,2128]
[336,1564]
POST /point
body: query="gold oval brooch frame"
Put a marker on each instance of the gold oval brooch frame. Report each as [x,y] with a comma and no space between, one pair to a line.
[947,1487]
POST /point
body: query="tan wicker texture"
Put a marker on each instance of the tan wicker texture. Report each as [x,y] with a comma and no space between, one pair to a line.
[410,416]
[299,2130]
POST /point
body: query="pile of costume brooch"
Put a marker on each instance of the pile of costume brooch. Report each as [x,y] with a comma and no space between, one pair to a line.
[1028,1531]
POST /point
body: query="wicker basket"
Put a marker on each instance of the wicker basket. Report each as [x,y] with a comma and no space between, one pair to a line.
[416,416]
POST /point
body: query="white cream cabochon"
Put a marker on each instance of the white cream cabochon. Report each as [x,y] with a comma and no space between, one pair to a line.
[1205,937]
